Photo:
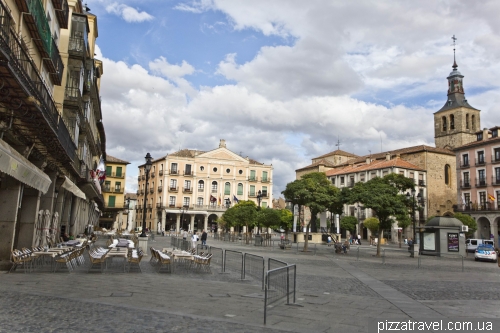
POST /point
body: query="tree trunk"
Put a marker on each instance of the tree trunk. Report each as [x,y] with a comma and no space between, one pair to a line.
[306,241]
[379,240]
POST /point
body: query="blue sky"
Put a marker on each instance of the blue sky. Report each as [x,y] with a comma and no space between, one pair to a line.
[282,80]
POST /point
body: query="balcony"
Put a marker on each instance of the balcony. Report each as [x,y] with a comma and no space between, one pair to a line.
[160,188]
[188,173]
[142,192]
[62,12]
[471,207]
[465,184]
[118,190]
[265,180]
[480,161]
[160,173]
[481,182]
[173,172]
[173,189]
[171,205]
[464,164]
[139,178]
[106,189]
[143,177]
[158,206]
[252,179]
[153,175]
[39,28]
[265,194]
[138,192]
[187,190]
[150,206]
[421,182]
[117,175]
[252,195]
[151,190]
[495,159]
[77,47]
[495,180]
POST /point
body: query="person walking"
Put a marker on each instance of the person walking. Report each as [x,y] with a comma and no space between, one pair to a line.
[359,239]
[194,239]
[204,239]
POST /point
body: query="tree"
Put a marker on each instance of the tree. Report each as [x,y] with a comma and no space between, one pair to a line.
[243,213]
[372,224]
[269,218]
[384,196]
[286,219]
[468,221]
[348,223]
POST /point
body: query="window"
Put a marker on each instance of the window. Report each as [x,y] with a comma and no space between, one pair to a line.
[447,174]
[214,187]
[240,189]
[467,198]
[482,177]
[373,175]
[227,188]
[228,170]
[342,180]
[171,201]
[497,176]
[108,171]
[482,199]
[107,186]
[467,121]
[264,204]
[402,173]
[173,184]
[111,201]
[187,169]
[333,181]
[201,185]
[473,123]
[118,186]
[465,159]
[452,121]
[252,175]
[240,172]
[466,179]
[187,184]
[252,190]
[264,176]
[362,178]
[202,168]
[496,153]
[214,169]
[186,202]
[494,133]
[443,119]
[498,199]
[118,171]
[480,157]
[173,168]
[479,136]
[264,191]
[199,201]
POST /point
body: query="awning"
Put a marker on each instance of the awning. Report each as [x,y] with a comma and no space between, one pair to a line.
[17,166]
[70,186]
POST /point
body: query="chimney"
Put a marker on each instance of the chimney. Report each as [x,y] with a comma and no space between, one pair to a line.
[398,156]
[222,143]
[387,156]
[486,134]
[368,160]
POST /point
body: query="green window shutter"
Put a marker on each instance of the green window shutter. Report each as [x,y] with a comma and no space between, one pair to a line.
[111,202]
[264,190]
[264,204]
[108,171]
[227,189]
[252,174]
[240,189]
[252,190]
[264,176]
[118,171]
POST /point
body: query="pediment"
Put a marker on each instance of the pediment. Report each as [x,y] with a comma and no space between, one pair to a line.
[223,154]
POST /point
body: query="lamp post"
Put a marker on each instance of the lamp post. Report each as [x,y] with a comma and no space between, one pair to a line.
[128,212]
[358,210]
[182,209]
[413,206]
[259,199]
[147,167]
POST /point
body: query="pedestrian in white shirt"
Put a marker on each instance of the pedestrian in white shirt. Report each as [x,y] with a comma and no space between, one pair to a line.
[194,239]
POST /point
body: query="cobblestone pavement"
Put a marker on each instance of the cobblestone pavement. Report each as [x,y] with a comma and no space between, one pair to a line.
[330,294]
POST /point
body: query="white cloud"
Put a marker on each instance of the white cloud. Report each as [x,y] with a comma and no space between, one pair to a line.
[128,13]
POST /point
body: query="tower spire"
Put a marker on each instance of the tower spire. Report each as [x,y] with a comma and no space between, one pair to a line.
[454,61]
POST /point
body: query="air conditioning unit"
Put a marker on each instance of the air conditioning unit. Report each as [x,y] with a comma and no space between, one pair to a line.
[465,228]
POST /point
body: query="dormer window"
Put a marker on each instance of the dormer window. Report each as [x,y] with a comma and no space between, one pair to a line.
[494,133]
[479,136]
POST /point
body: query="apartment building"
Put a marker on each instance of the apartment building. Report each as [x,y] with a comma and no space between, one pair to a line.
[51,130]
[190,189]
[115,207]
[478,169]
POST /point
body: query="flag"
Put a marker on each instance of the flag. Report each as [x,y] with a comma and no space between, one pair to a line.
[219,200]
[463,201]
[235,199]
[492,198]
[212,198]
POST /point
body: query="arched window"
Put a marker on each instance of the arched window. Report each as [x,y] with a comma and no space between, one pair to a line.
[227,188]
[240,189]
[201,185]
[467,121]
[473,123]
[452,121]
[447,174]
[444,123]
[214,187]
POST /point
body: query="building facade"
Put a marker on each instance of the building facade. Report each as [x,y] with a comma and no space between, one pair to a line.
[51,130]
[478,169]
[113,190]
[190,189]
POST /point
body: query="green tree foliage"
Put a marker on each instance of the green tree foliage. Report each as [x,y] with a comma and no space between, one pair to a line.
[372,224]
[386,197]
[468,221]
[286,220]
[243,213]
[269,218]
[348,223]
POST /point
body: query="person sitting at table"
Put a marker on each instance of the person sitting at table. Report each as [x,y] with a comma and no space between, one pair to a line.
[71,237]
[65,237]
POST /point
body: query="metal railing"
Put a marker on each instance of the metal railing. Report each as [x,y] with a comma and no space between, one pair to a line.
[311,247]
[280,283]
[217,256]
[233,260]
[275,263]
[254,266]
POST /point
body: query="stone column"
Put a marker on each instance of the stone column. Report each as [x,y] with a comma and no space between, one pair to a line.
[177,223]
[191,224]
[163,219]
[10,190]
[205,222]
[67,198]
[28,217]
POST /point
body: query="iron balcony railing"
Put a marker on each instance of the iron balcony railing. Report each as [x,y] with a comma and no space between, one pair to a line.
[266,180]
[495,159]
[173,172]
[480,182]
[173,189]
[77,47]
[465,183]
[188,173]
[252,179]
[464,164]
[160,173]
[160,188]
[480,160]
[139,178]
[62,12]
[495,180]
[153,175]
[482,206]
[187,189]
[421,182]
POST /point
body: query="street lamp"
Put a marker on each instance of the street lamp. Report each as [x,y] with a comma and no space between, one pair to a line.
[128,211]
[182,209]
[358,210]
[413,206]
[147,167]
[259,199]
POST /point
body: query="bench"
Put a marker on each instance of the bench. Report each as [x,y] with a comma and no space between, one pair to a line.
[285,244]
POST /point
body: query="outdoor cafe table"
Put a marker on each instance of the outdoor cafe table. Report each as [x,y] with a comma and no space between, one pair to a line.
[117,252]
[43,255]
[177,255]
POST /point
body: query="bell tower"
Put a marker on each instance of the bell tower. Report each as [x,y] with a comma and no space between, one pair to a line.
[457,121]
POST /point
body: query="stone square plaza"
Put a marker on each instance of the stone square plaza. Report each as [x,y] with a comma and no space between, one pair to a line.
[334,293]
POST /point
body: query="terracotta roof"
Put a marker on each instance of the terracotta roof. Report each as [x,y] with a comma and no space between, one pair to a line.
[112,159]
[374,165]
[191,153]
[337,152]
[477,143]
[132,196]
[320,162]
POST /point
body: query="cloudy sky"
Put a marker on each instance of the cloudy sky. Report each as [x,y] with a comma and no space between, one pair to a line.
[283,80]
